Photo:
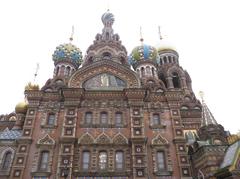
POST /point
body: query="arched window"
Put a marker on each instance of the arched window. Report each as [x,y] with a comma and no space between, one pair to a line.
[68,69]
[161,160]
[142,71]
[176,80]
[103,160]
[6,162]
[153,72]
[162,77]
[62,70]
[118,119]
[88,118]
[119,160]
[156,119]
[165,59]
[85,160]
[44,159]
[51,119]
[106,55]
[103,118]
[57,70]
[148,71]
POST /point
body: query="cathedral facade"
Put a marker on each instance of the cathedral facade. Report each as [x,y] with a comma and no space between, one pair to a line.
[111,115]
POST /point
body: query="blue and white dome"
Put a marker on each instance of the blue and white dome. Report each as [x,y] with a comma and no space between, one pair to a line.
[68,52]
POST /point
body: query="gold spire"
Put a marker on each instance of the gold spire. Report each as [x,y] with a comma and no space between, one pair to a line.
[141,36]
[71,37]
[36,73]
[159,33]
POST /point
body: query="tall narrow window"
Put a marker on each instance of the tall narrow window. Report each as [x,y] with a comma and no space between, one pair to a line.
[162,77]
[68,69]
[160,160]
[88,118]
[6,162]
[176,80]
[156,119]
[148,72]
[44,159]
[119,160]
[153,72]
[51,119]
[118,119]
[103,160]
[103,118]
[142,71]
[85,160]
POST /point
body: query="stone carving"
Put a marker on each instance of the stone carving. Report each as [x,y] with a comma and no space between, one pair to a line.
[46,140]
[86,139]
[103,139]
[120,139]
[159,140]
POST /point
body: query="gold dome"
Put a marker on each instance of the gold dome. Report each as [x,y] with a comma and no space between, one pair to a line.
[21,107]
[31,86]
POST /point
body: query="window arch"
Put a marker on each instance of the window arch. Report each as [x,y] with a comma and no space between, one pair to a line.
[103,160]
[162,77]
[7,159]
[44,159]
[103,118]
[68,70]
[153,72]
[156,119]
[85,160]
[148,72]
[161,163]
[119,160]
[88,118]
[51,119]
[142,71]
[175,80]
[118,119]
[57,70]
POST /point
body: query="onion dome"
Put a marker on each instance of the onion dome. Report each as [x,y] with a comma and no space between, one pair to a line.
[21,107]
[165,45]
[143,53]
[68,53]
[31,86]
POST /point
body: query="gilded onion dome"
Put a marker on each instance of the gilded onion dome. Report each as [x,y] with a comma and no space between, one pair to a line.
[21,107]
[143,53]
[164,45]
[69,53]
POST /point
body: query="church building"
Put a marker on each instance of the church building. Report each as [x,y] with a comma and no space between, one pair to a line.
[114,115]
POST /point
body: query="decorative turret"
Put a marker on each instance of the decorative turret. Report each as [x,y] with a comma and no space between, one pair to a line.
[144,59]
[167,52]
[67,58]
[107,46]
[210,130]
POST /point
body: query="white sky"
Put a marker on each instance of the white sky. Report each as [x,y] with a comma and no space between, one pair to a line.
[205,33]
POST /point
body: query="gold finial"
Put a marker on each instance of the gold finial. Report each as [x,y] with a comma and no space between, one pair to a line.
[159,33]
[141,36]
[36,73]
[71,37]
[201,94]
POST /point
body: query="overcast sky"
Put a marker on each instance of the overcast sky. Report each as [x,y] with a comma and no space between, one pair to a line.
[205,33]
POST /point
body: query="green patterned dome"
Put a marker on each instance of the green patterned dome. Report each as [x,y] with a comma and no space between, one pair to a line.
[143,53]
[68,52]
